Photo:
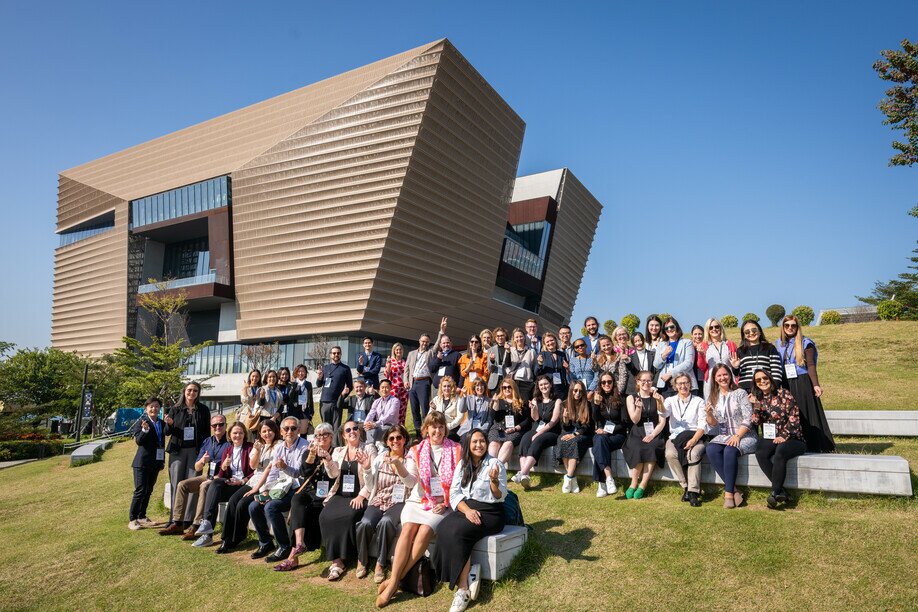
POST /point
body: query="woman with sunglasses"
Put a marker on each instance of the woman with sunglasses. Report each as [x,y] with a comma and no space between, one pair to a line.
[754,353]
[476,496]
[799,355]
[447,402]
[677,356]
[475,409]
[346,501]
[385,501]
[729,410]
[575,439]
[545,411]
[552,362]
[309,500]
[473,364]
[511,419]
[685,448]
[580,367]
[719,350]
[643,447]
[522,362]
[611,421]
[236,519]
[429,471]
[782,437]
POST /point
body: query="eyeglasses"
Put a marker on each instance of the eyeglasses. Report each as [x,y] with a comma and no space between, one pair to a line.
[605,382]
[759,381]
[713,327]
[670,328]
[751,332]
[350,429]
[218,424]
[644,381]
[289,428]
[323,435]
[790,326]
[682,384]
[579,346]
[395,438]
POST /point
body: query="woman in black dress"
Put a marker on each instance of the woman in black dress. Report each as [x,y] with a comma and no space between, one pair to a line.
[510,421]
[644,446]
[610,417]
[545,410]
[347,499]
[576,437]
[477,498]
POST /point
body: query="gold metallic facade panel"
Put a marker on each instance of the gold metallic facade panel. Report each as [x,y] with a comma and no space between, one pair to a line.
[77,203]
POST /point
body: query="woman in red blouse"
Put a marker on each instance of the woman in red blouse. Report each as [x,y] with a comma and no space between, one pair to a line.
[782,437]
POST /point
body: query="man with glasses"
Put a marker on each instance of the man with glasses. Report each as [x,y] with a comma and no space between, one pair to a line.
[564,336]
[445,362]
[288,458]
[336,382]
[533,339]
[205,466]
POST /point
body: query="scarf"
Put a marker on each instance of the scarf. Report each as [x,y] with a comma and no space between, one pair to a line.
[448,460]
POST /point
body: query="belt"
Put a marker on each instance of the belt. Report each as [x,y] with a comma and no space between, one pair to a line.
[417,378]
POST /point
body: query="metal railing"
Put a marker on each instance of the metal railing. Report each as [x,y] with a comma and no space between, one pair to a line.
[202,279]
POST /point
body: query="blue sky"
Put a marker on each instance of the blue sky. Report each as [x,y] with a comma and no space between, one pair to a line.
[736,147]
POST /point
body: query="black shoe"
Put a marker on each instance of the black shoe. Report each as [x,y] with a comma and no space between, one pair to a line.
[280,554]
[225,547]
[772,501]
[263,550]
[693,500]
[782,497]
[685,495]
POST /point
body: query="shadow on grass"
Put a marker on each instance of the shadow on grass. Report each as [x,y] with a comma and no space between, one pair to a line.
[863,448]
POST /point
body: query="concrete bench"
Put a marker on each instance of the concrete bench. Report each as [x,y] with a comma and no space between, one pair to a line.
[87,452]
[873,422]
[874,474]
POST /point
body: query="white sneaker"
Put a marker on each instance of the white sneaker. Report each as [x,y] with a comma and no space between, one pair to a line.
[204,540]
[460,601]
[474,581]
[135,525]
[601,489]
[524,480]
[566,487]
[575,486]
[205,528]
[516,478]
[610,486]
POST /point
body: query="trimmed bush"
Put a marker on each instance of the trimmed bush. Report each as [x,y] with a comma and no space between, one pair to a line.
[750,316]
[31,449]
[583,331]
[775,313]
[665,316]
[729,321]
[631,322]
[609,326]
[830,317]
[889,310]
[804,314]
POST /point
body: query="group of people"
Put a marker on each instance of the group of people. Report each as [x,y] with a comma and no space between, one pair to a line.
[360,489]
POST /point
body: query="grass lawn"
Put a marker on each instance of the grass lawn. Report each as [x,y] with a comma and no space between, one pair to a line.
[67,546]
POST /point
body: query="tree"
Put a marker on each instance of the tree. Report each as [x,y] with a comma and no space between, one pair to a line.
[903,290]
[37,383]
[631,323]
[609,326]
[804,315]
[664,316]
[775,313]
[729,321]
[900,106]
[319,351]
[750,316]
[6,348]
[261,357]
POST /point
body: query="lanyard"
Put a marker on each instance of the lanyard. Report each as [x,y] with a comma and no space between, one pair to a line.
[273,395]
[720,350]
[433,462]
[684,408]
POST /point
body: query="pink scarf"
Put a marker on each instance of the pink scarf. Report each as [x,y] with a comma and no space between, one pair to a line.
[448,460]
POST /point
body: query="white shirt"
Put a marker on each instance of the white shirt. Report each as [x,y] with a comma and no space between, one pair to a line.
[236,463]
[684,415]
[479,488]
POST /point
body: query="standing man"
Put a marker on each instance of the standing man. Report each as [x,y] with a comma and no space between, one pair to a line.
[533,340]
[369,362]
[336,382]
[445,362]
[592,338]
[417,379]
[564,335]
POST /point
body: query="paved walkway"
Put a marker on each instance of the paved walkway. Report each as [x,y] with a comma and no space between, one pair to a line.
[9,464]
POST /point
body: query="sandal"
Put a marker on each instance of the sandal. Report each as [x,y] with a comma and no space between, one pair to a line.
[738,498]
[379,575]
[298,550]
[361,571]
[335,572]
[288,565]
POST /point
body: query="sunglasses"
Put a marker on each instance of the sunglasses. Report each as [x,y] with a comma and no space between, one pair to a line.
[713,327]
[579,346]
[759,381]
[350,429]
[323,435]
[395,438]
[218,424]
[670,328]
[473,341]
[506,388]
[790,325]
[605,382]
[289,428]
[751,332]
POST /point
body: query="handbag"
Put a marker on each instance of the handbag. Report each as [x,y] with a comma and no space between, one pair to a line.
[420,578]
[281,487]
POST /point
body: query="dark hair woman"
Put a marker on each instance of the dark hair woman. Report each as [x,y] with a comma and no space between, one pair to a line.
[729,409]
[610,416]
[149,435]
[576,437]
[755,352]
[644,446]
[653,333]
[545,411]
[473,365]
[303,404]
[187,425]
[677,356]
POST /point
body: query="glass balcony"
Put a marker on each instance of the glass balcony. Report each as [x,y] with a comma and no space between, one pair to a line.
[178,283]
[521,258]
[188,200]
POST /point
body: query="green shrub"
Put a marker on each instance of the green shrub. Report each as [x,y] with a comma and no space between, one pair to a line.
[750,316]
[583,331]
[664,316]
[830,317]
[775,313]
[31,449]
[889,310]
[729,321]
[609,326]
[804,314]
[631,322]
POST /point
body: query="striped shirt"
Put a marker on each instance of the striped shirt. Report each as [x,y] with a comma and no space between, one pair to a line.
[756,358]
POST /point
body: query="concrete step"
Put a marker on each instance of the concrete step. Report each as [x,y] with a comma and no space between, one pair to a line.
[873,422]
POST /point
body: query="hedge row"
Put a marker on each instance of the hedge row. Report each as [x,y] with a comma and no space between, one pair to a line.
[13,450]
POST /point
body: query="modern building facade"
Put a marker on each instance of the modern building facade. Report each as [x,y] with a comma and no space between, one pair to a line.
[374,202]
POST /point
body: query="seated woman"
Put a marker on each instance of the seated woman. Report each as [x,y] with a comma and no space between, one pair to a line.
[644,447]
[447,402]
[476,494]
[386,483]
[509,421]
[236,520]
[611,420]
[429,469]
[148,461]
[475,409]
[383,414]
[575,439]
[782,435]
[309,499]
[728,406]
[347,498]
[545,410]
[235,470]
[685,448]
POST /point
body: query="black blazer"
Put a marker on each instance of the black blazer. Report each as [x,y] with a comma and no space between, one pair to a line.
[450,362]
[147,443]
[200,420]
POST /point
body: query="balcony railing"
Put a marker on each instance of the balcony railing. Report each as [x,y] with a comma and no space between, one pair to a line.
[521,258]
[178,283]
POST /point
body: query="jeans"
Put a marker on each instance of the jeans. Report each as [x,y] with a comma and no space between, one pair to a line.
[419,398]
[773,459]
[724,460]
[273,513]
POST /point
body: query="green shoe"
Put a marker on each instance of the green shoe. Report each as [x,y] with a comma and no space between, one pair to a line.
[629,494]
[638,493]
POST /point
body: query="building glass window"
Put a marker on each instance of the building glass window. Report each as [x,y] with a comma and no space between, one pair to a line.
[188,200]
[93,227]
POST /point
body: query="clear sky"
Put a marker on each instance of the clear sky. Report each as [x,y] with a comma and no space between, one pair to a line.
[736,147]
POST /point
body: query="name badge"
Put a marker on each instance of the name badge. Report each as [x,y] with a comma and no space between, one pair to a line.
[609,427]
[398,493]
[302,400]
[360,416]
[322,488]
[769,431]
[212,469]
[499,370]
[348,486]
[648,428]
[476,424]
[790,370]
[509,421]
[160,454]
[188,434]
[542,425]
[328,383]
[436,489]
[583,380]
[441,372]
[556,378]
[472,376]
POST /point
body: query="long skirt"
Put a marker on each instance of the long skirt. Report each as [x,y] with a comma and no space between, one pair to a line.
[456,536]
[338,523]
[812,417]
